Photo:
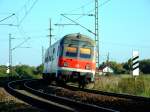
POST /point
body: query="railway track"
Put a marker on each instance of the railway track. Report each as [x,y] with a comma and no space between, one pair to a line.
[120,102]
[28,91]
[136,103]
[127,96]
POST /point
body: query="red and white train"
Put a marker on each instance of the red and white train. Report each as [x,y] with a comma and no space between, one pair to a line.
[72,58]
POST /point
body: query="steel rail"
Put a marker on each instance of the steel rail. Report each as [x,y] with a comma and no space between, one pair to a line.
[79,106]
[41,104]
[133,103]
[119,95]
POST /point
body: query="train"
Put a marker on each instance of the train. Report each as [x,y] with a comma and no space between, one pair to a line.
[71,59]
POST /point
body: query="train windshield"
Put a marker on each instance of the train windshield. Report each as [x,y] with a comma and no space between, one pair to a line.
[78,51]
[85,53]
[71,51]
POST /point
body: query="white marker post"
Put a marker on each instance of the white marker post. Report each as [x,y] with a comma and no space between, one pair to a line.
[7,69]
[135,63]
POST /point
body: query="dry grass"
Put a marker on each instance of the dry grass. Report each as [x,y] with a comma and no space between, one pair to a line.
[107,83]
[124,84]
[9,103]
[6,97]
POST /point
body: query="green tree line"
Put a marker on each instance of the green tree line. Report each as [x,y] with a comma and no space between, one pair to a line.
[23,71]
[126,68]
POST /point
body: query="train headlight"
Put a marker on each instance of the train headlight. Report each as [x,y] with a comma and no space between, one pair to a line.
[88,67]
[65,64]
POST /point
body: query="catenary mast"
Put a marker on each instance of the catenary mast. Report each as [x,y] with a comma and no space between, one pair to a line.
[97,32]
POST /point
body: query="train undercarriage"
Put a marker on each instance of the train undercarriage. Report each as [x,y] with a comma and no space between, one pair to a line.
[75,77]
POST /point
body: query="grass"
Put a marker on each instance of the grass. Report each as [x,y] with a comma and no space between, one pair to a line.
[9,103]
[125,84]
[16,107]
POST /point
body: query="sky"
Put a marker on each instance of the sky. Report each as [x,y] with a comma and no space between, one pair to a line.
[124,26]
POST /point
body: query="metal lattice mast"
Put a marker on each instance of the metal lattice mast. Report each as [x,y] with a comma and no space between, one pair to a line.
[10,54]
[97,32]
[50,32]
[42,55]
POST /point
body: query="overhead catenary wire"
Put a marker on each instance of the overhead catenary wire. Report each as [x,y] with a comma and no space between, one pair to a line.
[7,17]
[11,23]
[85,5]
[102,4]
[19,22]
[78,24]
[82,15]
[27,12]
[21,43]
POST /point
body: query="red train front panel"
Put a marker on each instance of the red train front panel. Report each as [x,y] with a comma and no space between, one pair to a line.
[76,60]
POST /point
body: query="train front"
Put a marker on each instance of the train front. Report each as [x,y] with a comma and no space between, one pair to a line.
[77,59]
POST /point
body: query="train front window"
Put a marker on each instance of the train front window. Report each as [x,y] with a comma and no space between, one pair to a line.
[85,53]
[71,51]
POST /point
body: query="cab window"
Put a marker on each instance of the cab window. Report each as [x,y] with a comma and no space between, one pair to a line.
[85,53]
[71,51]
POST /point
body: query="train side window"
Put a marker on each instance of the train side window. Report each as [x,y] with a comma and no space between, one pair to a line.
[57,50]
[49,58]
[45,60]
[61,49]
[53,50]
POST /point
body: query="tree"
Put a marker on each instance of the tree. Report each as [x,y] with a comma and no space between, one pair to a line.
[39,69]
[2,70]
[117,67]
[25,71]
[127,65]
[145,66]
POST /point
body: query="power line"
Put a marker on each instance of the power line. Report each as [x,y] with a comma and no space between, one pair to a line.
[21,43]
[12,23]
[102,4]
[19,27]
[85,5]
[9,25]
[7,17]
[28,11]
[78,24]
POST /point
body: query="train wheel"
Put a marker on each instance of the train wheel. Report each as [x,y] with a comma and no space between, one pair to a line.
[61,80]
[81,81]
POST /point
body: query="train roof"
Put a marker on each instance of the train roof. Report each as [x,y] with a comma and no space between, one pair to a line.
[78,36]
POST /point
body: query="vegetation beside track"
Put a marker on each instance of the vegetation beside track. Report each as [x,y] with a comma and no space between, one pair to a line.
[124,84]
[12,106]
[8,103]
